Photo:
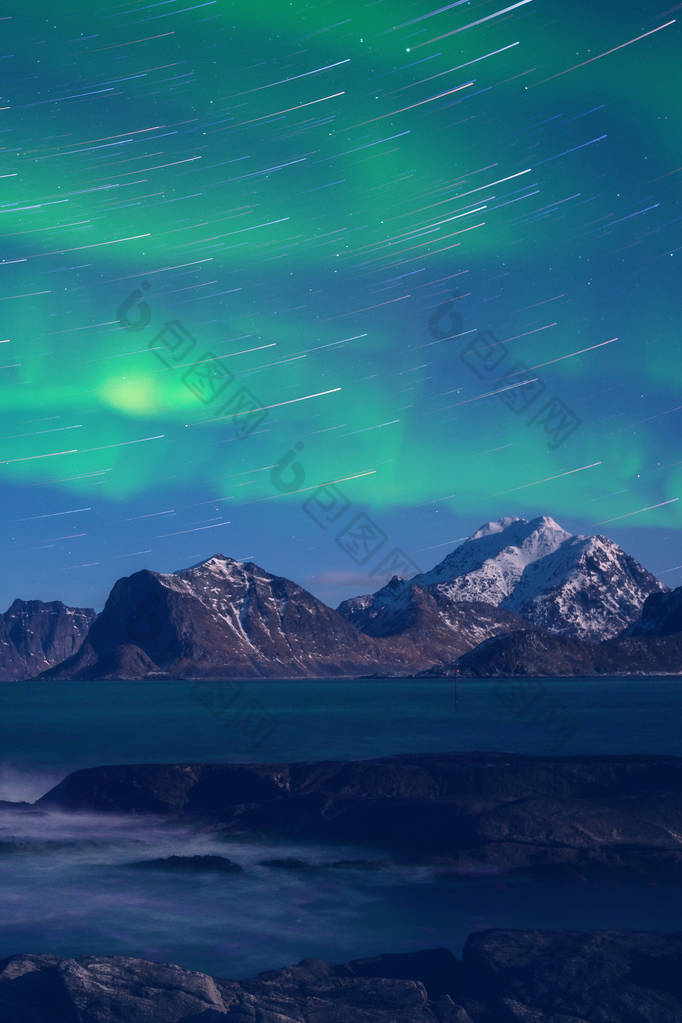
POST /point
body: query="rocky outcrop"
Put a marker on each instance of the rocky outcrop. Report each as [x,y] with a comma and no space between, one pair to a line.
[502,977]
[545,977]
[34,636]
[465,812]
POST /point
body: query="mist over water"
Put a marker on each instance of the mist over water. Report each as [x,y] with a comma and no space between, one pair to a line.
[27,782]
[68,884]
[71,884]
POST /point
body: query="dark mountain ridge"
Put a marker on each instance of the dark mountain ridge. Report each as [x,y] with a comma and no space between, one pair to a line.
[35,635]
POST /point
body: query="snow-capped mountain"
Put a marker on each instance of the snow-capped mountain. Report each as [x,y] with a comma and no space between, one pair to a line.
[35,635]
[573,585]
[588,587]
[486,568]
[221,618]
[429,623]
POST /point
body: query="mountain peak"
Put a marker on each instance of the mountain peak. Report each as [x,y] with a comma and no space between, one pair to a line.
[546,522]
[497,526]
[220,564]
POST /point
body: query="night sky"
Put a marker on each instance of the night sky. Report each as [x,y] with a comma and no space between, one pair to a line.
[430,256]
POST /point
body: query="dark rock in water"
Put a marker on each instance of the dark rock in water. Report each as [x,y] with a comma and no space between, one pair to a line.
[92,989]
[190,864]
[10,846]
[503,977]
[299,866]
[289,863]
[437,969]
[469,811]
[360,864]
[47,845]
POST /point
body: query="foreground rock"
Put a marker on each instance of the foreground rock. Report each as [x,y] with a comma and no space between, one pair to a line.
[34,636]
[503,977]
[543,977]
[467,812]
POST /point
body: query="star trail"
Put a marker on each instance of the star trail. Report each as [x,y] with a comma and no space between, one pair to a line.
[409,240]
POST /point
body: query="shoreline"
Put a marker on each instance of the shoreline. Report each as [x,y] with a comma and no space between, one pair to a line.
[606,677]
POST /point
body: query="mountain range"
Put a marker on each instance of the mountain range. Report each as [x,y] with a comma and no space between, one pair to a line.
[220,619]
[517,597]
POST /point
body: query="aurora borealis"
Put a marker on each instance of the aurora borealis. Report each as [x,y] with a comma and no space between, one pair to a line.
[301,186]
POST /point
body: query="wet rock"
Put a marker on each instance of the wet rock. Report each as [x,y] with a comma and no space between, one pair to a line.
[289,863]
[190,864]
[503,977]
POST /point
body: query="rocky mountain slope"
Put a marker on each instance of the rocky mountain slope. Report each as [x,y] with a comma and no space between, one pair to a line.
[34,636]
[435,626]
[661,615]
[222,618]
[505,976]
[571,585]
[651,646]
[532,652]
